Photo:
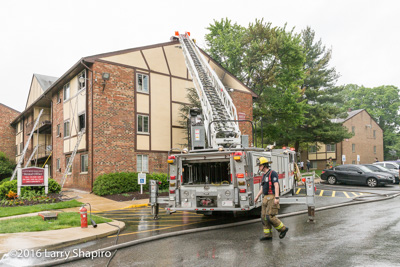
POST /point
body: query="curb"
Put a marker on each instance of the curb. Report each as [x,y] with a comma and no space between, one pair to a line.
[75,241]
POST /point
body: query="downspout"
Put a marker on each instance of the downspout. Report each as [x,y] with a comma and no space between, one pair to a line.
[91,124]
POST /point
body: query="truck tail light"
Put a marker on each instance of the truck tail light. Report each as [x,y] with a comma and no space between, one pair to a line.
[292,148]
[172,191]
[171,159]
[172,177]
[322,172]
[242,191]
[240,175]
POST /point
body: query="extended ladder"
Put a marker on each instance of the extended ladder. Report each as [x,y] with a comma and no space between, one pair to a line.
[21,158]
[71,159]
[215,101]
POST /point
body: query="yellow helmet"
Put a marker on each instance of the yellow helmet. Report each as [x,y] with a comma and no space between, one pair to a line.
[262,161]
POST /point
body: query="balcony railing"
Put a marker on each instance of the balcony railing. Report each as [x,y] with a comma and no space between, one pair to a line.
[44,122]
[43,151]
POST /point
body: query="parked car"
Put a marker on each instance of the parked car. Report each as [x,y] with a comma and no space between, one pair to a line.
[378,168]
[392,166]
[356,174]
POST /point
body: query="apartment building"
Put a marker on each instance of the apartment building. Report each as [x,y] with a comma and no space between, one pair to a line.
[7,132]
[126,106]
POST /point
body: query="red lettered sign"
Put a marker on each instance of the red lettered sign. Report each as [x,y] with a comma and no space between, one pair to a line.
[32,176]
[241,115]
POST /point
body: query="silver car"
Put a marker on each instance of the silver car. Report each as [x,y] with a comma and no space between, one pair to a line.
[391,166]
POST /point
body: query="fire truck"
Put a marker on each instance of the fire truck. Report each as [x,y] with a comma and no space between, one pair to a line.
[218,173]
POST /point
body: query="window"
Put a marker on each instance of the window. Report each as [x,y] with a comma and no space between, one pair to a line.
[331,148]
[142,83]
[374,134]
[58,165]
[390,166]
[374,149]
[84,163]
[82,85]
[314,164]
[21,148]
[66,164]
[312,149]
[58,97]
[142,163]
[66,129]
[353,162]
[353,129]
[16,150]
[66,92]
[58,130]
[143,123]
[353,147]
[82,121]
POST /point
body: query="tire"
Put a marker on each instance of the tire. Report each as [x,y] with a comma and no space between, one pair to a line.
[332,179]
[372,182]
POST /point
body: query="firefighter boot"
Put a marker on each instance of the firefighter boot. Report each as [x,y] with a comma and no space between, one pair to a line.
[283,233]
[266,238]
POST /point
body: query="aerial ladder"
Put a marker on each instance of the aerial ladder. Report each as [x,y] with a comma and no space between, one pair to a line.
[219,114]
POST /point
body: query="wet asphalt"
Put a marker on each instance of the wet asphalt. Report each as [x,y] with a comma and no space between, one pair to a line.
[361,235]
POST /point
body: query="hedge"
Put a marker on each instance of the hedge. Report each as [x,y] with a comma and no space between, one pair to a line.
[122,182]
[5,187]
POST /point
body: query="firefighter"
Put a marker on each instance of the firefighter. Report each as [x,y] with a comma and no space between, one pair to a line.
[270,201]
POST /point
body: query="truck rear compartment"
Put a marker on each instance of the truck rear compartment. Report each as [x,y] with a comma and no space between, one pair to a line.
[213,173]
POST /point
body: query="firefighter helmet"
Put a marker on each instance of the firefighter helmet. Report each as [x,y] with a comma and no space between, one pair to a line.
[262,161]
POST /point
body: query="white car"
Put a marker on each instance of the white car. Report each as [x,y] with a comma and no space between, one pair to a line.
[390,165]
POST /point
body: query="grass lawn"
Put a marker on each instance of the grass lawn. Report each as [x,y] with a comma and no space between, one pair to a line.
[36,223]
[317,172]
[10,211]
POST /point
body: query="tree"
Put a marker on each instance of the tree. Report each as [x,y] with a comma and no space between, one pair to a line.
[322,96]
[6,166]
[383,104]
[269,60]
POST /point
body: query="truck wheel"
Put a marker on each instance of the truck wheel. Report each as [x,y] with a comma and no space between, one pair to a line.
[332,179]
[371,182]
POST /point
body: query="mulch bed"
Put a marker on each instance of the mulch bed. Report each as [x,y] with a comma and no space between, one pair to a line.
[131,196]
[51,198]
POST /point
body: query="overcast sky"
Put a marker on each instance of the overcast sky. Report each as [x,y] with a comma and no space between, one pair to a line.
[48,37]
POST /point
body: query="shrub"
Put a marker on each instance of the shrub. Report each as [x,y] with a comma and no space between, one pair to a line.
[5,180]
[122,182]
[6,166]
[5,187]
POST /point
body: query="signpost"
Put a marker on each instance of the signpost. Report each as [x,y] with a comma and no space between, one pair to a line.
[32,176]
[141,181]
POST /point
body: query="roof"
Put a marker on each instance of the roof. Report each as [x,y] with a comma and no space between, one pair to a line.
[9,108]
[45,81]
[350,115]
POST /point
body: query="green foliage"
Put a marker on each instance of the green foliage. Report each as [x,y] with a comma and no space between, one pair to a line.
[5,187]
[5,180]
[6,166]
[122,182]
[269,60]
[383,104]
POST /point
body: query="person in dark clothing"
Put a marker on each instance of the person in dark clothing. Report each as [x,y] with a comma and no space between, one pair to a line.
[308,165]
[270,201]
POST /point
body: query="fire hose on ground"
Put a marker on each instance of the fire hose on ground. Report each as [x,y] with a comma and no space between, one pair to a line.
[377,197]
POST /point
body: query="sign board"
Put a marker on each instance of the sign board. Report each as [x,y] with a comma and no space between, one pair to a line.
[141,178]
[358,158]
[241,115]
[32,176]
[343,158]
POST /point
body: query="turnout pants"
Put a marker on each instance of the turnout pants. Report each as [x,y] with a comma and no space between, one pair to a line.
[269,210]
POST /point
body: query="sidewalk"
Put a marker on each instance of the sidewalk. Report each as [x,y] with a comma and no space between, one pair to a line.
[69,236]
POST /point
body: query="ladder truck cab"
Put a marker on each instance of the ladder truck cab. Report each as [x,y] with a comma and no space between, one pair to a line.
[219,173]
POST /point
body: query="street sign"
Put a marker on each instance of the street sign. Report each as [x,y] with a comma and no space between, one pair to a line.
[141,181]
[358,158]
[141,178]
[343,158]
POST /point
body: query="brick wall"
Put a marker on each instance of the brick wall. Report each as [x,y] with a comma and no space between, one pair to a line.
[244,104]
[7,133]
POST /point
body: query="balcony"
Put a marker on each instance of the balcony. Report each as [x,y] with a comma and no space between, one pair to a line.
[44,125]
[42,152]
